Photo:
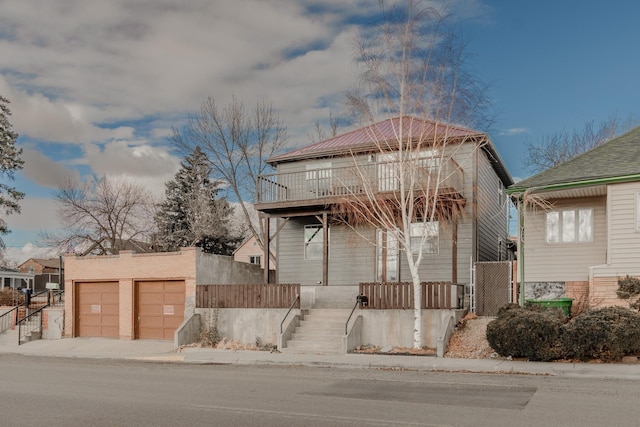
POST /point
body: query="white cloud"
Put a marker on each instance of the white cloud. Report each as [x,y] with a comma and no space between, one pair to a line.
[513,131]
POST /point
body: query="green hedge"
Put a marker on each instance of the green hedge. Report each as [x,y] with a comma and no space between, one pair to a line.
[606,333]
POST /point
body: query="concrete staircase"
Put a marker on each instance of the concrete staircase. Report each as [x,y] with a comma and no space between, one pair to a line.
[10,336]
[320,332]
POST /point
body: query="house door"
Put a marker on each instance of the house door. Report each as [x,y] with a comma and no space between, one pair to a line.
[159,308]
[388,259]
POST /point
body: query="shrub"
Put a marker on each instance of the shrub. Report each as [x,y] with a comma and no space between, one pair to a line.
[518,332]
[629,290]
[10,296]
[606,333]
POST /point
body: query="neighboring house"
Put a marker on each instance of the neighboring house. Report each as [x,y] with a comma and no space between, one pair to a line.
[250,252]
[313,249]
[12,278]
[46,271]
[579,224]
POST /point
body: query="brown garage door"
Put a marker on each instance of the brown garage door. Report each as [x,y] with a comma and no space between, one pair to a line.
[97,309]
[159,309]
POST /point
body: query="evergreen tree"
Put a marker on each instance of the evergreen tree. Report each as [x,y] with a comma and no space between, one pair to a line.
[10,161]
[191,215]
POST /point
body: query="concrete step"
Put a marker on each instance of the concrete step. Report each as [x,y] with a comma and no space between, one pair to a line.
[316,337]
[315,346]
[320,324]
[320,331]
[310,351]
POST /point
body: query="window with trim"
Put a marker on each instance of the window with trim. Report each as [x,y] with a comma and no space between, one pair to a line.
[425,235]
[313,241]
[254,259]
[569,226]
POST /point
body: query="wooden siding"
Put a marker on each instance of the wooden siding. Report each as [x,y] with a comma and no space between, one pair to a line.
[351,258]
[247,296]
[624,238]
[544,262]
[435,295]
[491,213]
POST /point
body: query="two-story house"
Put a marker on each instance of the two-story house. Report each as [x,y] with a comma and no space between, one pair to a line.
[319,250]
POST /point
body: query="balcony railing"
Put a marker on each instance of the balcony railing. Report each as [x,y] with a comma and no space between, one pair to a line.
[429,174]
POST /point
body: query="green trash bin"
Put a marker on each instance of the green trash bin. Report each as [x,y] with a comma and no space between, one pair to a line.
[562,303]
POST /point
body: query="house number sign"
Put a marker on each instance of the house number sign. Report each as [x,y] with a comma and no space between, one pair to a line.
[96,308]
[168,310]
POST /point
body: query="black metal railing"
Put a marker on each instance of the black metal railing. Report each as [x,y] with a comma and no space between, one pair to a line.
[293,304]
[8,319]
[32,320]
[30,323]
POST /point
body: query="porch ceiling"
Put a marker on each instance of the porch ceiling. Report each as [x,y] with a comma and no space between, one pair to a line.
[568,193]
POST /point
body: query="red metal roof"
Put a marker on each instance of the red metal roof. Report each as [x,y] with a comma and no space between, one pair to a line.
[371,136]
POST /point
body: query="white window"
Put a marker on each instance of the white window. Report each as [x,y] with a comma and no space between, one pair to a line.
[318,178]
[313,241]
[570,226]
[425,235]
[254,259]
[388,259]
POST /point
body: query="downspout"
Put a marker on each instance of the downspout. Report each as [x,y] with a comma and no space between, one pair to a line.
[521,248]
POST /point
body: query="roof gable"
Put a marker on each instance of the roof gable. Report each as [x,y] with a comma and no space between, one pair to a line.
[617,158]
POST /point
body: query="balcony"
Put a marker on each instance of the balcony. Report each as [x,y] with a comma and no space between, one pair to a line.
[322,187]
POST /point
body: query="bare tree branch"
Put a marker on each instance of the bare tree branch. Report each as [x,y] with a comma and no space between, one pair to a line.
[413,74]
[107,214]
[237,143]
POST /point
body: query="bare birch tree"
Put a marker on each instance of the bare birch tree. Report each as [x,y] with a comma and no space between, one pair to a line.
[412,74]
[237,143]
[103,216]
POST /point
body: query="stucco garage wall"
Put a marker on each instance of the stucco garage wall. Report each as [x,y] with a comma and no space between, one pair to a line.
[217,269]
[127,268]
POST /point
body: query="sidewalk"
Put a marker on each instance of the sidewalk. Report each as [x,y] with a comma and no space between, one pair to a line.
[162,351]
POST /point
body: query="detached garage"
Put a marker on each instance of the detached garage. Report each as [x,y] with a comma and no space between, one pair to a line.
[142,296]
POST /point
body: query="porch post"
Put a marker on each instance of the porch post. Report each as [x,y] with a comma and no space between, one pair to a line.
[325,250]
[454,250]
[265,249]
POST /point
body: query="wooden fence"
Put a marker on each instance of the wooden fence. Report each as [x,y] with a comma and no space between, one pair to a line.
[435,295]
[247,296]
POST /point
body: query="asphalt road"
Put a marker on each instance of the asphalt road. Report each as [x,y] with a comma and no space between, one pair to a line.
[90,392]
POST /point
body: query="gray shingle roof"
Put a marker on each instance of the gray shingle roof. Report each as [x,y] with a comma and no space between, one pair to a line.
[617,158]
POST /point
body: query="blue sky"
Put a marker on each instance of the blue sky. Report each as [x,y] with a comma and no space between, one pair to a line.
[95,87]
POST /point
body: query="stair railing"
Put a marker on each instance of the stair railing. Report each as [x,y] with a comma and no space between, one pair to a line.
[360,300]
[26,324]
[8,319]
[295,301]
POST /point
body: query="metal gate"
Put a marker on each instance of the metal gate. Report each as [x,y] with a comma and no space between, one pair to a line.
[492,287]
